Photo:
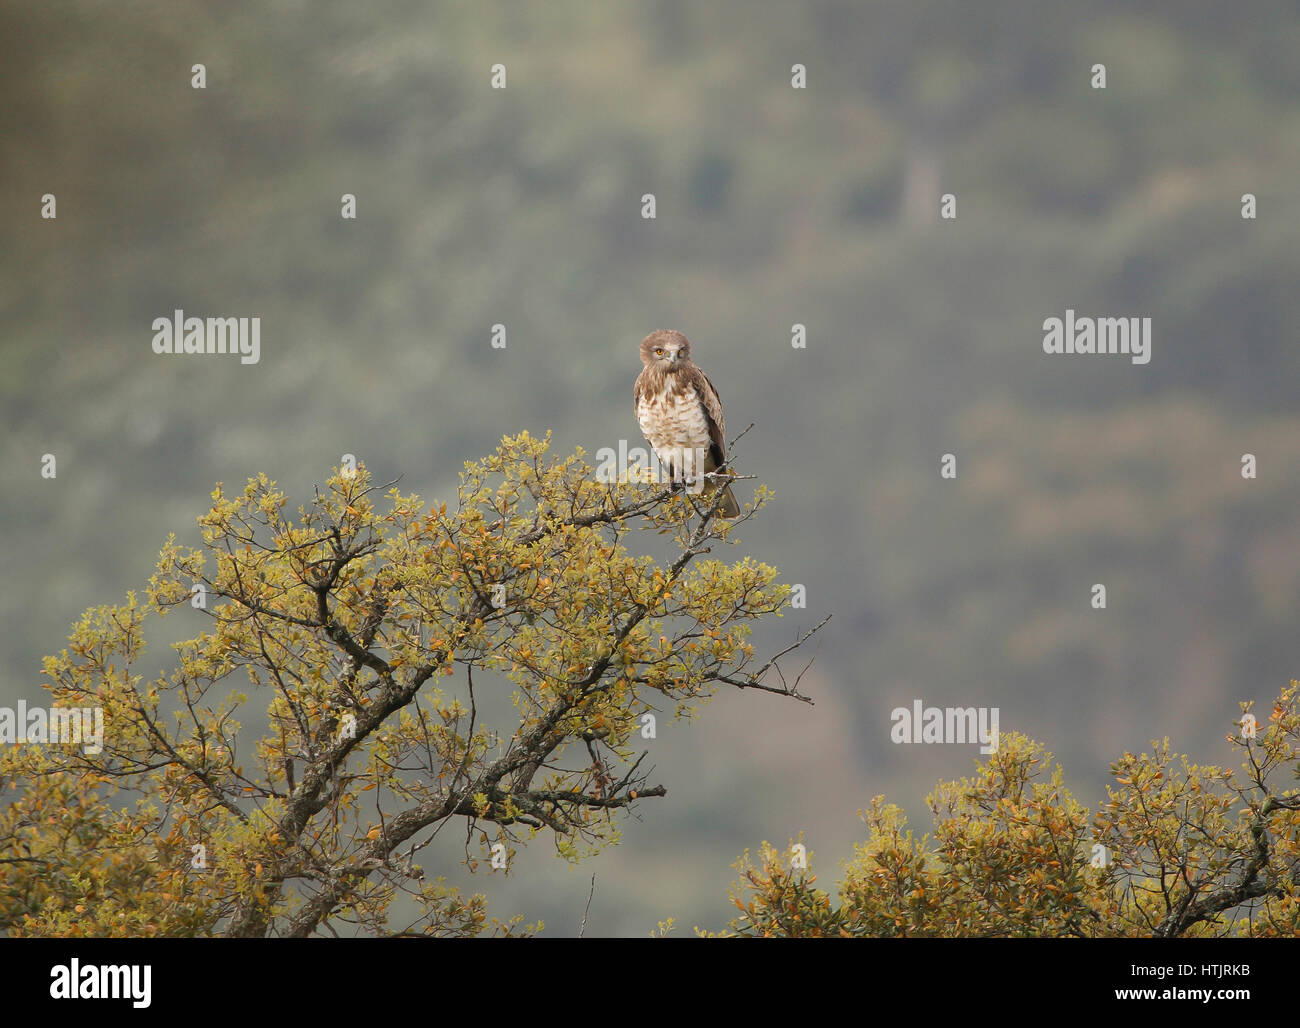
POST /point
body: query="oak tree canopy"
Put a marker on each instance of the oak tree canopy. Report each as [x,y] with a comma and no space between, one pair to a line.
[363,633]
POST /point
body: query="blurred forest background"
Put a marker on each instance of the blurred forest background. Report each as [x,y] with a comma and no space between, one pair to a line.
[774,206]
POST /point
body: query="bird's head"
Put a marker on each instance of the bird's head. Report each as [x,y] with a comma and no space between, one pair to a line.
[665,350]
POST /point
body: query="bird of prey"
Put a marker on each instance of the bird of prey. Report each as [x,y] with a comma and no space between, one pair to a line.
[680,414]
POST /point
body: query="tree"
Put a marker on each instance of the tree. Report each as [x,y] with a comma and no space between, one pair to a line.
[361,632]
[1177,849]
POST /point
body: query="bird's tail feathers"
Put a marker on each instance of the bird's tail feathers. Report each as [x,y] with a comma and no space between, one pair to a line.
[727,506]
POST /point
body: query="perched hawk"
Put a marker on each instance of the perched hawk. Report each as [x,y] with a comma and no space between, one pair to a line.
[680,414]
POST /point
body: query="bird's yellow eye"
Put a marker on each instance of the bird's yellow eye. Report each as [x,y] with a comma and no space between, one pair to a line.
[659,351]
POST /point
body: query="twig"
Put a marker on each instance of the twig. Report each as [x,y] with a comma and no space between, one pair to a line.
[583,927]
[752,682]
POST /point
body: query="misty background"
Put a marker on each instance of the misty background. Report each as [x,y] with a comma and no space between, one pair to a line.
[775,206]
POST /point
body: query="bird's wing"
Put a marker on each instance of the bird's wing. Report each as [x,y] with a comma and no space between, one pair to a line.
[636,389]
[712,404]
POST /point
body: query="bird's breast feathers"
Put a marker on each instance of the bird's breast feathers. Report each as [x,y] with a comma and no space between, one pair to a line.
[673,418]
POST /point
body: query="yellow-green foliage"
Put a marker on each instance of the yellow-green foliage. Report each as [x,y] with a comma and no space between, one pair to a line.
[355,632]
[1176,849]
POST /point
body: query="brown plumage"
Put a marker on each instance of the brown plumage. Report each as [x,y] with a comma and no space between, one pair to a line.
[680,413]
